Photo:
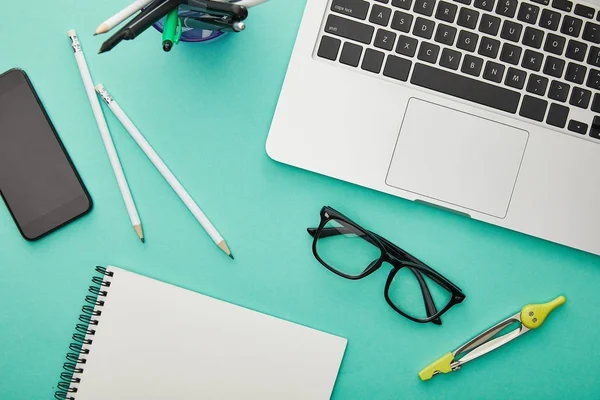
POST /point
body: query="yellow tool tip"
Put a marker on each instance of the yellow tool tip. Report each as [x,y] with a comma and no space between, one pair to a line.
[534,315]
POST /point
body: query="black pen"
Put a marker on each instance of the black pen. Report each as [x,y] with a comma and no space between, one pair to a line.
[148,16]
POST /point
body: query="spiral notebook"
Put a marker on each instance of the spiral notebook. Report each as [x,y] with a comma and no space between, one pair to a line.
[144,339]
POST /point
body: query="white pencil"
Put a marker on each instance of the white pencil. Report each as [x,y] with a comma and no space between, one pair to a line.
[164,170]
[108,143]
[122,16]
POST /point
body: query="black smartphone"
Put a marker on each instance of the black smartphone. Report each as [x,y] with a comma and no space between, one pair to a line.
[38,180]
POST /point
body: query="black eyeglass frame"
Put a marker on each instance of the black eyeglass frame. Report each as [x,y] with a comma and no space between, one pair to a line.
[397,258]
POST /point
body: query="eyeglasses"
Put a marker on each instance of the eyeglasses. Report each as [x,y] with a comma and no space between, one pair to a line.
[413,289]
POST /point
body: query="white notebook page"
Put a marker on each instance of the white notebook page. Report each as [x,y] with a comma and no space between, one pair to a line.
[158,341]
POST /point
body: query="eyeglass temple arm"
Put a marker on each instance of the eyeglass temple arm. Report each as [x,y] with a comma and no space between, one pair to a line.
[395,250]
[398,252]
[344,230]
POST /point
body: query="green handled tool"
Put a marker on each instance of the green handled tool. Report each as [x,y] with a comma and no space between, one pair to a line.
[531,316]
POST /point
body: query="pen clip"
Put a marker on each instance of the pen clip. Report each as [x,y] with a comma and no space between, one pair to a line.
[179,31]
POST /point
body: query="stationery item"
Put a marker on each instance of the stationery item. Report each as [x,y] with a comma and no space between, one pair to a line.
[413,289]
[213,15]
[141,339]
[171,30]
[155,11]
[164,170]
[122,16]
[38,180]
[105,133]
[532,316]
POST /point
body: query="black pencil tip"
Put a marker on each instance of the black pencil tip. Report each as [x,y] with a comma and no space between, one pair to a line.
[231,256]
[143,240]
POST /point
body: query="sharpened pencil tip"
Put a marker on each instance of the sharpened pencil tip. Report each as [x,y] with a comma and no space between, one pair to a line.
[231,256]
[143,240]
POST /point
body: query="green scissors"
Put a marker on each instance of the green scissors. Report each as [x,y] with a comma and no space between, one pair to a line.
[531,316]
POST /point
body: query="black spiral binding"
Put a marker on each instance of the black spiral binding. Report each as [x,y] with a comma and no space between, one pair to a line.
[81,341]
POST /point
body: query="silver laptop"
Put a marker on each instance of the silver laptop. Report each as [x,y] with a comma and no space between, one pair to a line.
[488,108]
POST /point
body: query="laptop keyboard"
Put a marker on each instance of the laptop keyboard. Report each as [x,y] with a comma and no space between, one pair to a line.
[537,59]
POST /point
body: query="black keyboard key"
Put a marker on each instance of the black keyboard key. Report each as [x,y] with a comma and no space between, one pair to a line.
[595,128]
[564,5]
[528,13]
[487,5]
[549,19]
[510,54]
[349,29]
[533,37]
[554,66]
[397,68]
[557,115]
[533,108]
[542,2]
[511,31]
[354,8]
[571,26]
[351,54]
[423,28]
[575,73]
[384,39]
[489,47]
[596,103]
[580,97]
[584,11]
[489,24]
[554,44]
[373,61]
[467,41]
[450,59]
[594,56]
[380,15]
[537,84]
[424,7]
[515,78]
[445,34]
[383,1]
[406,46]
[467,2]
[593,80]
[329,48]
[558,91]
[446,11]
[576,50]
[465,88]
[591,33]
[577,127]
[493,72]
[532,60]
[507,8]
[404,4]
[467,18]
[401,21]
[472,65]
[428,52]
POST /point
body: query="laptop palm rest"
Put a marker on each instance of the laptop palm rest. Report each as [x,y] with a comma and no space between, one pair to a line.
[457,158]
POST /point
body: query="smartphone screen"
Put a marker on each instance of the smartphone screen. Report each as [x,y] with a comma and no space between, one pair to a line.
[38,181]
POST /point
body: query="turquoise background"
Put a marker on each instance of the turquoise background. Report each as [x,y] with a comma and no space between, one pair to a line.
[206,109]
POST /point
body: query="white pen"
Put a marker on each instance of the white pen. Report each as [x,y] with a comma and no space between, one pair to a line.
[105,133]
[122,16]
[164,170]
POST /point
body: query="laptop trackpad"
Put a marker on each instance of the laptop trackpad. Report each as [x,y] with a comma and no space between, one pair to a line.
[457,158]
